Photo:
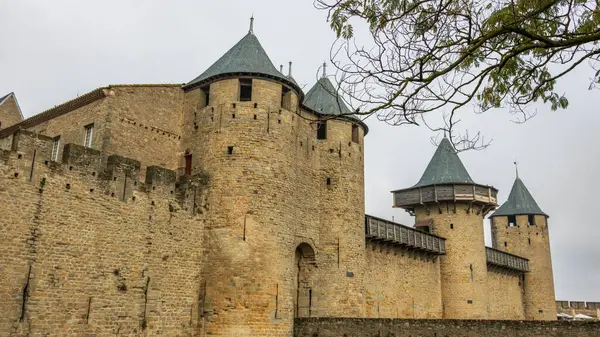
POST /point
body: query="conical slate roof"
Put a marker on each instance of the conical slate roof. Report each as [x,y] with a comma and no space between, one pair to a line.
[519,202]
[245,57]
[324,99]
[445,167]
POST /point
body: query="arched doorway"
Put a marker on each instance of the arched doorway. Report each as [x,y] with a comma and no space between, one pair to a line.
[304,263]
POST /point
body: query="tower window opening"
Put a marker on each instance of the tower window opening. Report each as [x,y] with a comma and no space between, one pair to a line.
[206,91]
[512,221]
[328,181]
[188,164]
[529,240]
[505,244]
[531,220]
[233,116]
[451,226]
[230,150]
[285,97]
[322,130]
[245,89]
[355,133]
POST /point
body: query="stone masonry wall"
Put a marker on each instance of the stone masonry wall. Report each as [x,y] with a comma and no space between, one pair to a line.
[533,243]
[356,327]
[505,291]
[90,249]
[402,284]
[9,113]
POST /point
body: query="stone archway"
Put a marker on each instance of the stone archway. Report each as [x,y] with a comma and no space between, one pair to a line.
[304,264]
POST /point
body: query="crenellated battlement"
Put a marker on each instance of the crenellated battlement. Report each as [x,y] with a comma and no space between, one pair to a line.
[30,160]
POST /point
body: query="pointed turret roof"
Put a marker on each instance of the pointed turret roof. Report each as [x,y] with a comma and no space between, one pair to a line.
[519,202]
[324,99]
[247,57]
[445,167]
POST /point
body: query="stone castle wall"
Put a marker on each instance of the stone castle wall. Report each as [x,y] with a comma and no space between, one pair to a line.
[533,243]
[505,292]
[89,249]
[356,327]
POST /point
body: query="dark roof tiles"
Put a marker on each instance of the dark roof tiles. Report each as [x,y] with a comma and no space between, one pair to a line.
[445,167]
[519,202]
[324,99]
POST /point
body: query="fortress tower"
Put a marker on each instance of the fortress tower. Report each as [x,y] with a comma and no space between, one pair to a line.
[520,227]
[450,204]
[285,195]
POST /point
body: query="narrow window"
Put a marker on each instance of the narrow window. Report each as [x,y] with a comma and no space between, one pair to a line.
[328,181]
[355,133]
[245,89]
[505,244]
[322,130]
[285,98]
[470,301]
[531,220]
[0,125]
[230,150]
[89,134]
[529,240]
[512,221]
[188,164]
[56,148]
[451,226]
[206,91]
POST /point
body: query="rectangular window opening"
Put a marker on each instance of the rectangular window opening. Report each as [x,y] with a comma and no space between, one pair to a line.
[206,91]
[230,150]
[188,164]
[89,134]
[56,148]
[328,181]
[512,221]
[531,220]
[285,101]
[245,89]
[355,133]
[322,130]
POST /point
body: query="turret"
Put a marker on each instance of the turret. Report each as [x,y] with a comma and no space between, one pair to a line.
[520,227]
[454,205]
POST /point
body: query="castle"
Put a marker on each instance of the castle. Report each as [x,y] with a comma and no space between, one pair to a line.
[233,204]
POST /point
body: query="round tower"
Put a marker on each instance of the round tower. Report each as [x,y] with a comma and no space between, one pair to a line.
[520,227]
[454,205]
[245,131]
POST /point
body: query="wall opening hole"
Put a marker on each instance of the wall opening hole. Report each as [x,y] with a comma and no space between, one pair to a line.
[112,194]
[505,244]
[46,163]
[313,147]
[91,190]
[512,221]
[254,116]
[93,174]
[255,105]
[322,130]
[19,156]
[206,91]
[152,203]
[246,90]
[355,133]
[330,150]
[233,116]
[68,186]
[451,226]
[531,220]
[16,174]
[70,168]
[470,301]
[153,188]
[328,181]
[279,121]
[233,105]
[133,198]
[529,240]
[230,150]
[114,178]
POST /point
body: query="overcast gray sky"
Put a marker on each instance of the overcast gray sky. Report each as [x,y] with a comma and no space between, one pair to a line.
[54,50]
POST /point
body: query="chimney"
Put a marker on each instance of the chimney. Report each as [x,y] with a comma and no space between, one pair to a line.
[290,70]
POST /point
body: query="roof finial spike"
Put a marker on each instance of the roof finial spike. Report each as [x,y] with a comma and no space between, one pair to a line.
[290,70]
[281,68]
[251,31]
[324,69]
[445,134]
[517,168]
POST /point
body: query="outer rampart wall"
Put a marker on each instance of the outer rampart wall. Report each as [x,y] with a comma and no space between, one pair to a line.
[357,327]
[90,249]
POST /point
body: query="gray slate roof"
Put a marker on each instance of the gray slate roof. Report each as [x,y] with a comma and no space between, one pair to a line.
[324,99]
[445,167]
[519,201]
[246,56]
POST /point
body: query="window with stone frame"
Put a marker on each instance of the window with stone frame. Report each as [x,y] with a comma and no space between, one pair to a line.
[89,135]
[55,148]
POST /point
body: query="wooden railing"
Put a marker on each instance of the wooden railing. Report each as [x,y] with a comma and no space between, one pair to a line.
[499,258]
[395,233]
[445,193]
